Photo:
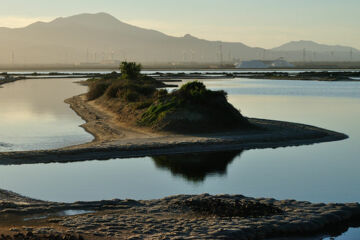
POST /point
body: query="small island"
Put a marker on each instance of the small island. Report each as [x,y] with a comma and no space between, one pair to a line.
[142,101]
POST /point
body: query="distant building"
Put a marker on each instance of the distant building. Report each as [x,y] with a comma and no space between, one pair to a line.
[279,63]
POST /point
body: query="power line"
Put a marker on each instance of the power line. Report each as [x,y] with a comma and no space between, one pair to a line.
[221,54]
[304,55]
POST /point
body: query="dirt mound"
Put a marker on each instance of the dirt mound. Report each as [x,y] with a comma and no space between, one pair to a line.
[229,207]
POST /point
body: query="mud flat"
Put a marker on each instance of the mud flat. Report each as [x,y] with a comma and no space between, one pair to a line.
[114,139]
[177,217]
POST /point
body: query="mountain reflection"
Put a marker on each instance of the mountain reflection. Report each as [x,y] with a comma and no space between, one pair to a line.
[196,166]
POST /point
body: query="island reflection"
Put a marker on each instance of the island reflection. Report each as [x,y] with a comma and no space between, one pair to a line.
[195,167]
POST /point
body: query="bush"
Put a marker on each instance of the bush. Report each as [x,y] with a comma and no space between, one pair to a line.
[111,76]
[193,89]
[129,91]
[130,70]
[112,90]
[130,85]
[130,95]
[161,94]
[143,104]
[97,89]
[192,108]
[196,92]
[156,112]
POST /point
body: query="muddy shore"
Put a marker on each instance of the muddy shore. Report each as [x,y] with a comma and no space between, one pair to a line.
[177,217]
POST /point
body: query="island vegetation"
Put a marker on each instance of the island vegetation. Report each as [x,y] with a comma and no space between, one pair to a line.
[143,101]
[6,78]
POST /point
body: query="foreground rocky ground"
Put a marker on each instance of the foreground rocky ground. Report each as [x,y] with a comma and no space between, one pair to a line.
[31,236]
[176,217]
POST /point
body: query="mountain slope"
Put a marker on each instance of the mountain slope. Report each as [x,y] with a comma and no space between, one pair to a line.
[310,51]
[99,37]
[90,38]
[312,46]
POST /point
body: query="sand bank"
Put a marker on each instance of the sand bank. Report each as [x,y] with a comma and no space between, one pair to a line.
[114,139]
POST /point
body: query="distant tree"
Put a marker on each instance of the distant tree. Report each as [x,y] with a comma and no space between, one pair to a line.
[130,70]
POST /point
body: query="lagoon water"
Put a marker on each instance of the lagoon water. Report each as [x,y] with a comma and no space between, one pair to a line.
[34,116]
[327,172]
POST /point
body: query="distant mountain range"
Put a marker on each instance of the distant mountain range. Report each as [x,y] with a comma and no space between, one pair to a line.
[312,46]
[101,38]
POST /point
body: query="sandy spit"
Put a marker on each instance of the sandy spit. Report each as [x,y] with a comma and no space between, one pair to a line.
[114,139]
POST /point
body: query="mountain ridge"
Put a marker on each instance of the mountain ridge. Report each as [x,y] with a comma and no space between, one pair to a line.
[310,45]
[100,37]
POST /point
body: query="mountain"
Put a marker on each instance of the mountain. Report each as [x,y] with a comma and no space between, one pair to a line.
[312,46]
[101,38]
[315,51]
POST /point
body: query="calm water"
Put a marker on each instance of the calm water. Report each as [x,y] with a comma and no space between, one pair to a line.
[34,116]
[327,172]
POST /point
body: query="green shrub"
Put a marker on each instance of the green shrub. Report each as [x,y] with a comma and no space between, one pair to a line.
[193,89]
[129,91]
[161,94]
[156,112]
[146,90]
[192,108]
[143,104]
[97,89]
[130,95]
[196,92]
[111,76]
[130,70]
[112,90]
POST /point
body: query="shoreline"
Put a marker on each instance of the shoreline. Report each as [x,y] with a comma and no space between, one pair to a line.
[176,217]
[116,140]
[340,76]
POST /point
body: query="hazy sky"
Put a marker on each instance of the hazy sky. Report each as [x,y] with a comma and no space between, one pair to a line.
[262,23]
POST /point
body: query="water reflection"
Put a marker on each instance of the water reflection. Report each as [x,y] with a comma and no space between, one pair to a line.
[347,231]
[34,116]
[196,167]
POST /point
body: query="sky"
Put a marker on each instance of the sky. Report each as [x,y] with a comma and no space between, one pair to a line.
[257,23]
